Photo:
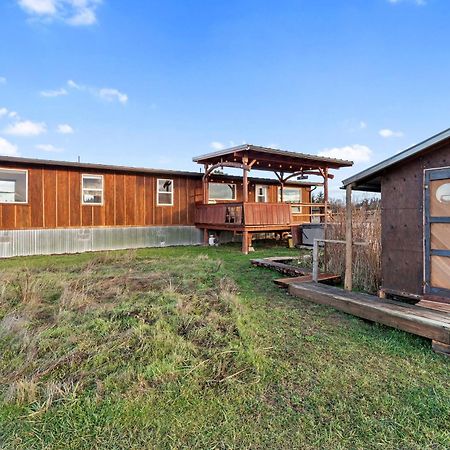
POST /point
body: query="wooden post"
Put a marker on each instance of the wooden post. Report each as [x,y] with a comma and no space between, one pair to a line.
[205,236]
[315,273]
[206,186]
[325,194]
[325,218]
[245,180]
[348,239]
[245,242]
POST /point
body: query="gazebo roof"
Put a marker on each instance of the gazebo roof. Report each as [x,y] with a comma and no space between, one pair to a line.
[266,158]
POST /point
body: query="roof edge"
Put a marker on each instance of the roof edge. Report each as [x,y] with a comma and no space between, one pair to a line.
[374,170]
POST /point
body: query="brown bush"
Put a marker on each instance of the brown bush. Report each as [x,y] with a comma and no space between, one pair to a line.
[366,259]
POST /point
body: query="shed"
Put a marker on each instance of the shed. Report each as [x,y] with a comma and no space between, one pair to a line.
[415,207]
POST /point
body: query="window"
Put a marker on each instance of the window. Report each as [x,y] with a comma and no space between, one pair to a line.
[443,193]
[164,192]
[92,189]
[261,194]
[291,195]
[13,186]
[222,191]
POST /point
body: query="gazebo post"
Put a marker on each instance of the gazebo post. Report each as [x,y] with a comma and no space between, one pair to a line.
[325,194]
[205,183]
[245,179]
[348,238]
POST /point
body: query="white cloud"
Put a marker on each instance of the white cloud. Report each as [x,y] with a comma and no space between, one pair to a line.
[111,95]
[3,112]
[74,85]
[362,125]
[49,148]
[2,80]
[39,7]
[72,12]
[54,93]
[217,145]
[387,133]
[107,94]
[64,128]
[356,153]
[13,114]
[7,149]
[26,128]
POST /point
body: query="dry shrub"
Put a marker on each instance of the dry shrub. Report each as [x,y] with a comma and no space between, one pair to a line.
[366,259]
[22,391]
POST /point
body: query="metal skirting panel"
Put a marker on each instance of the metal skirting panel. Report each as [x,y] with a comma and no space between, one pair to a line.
[78,240]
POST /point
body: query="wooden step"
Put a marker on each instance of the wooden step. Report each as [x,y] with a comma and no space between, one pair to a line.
[323,277]
[414,319]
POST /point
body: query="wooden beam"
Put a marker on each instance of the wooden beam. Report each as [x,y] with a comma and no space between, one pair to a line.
[348,284]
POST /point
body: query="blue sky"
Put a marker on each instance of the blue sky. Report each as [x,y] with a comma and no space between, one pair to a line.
[153,83]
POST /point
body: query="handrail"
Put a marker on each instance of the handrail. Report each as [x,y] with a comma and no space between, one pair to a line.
[315,273]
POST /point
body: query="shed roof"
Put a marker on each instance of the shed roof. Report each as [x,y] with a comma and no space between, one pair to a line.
[370,179]
[270,158]
[142,170]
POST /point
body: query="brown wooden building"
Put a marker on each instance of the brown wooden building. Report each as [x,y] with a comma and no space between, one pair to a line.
[415,208]
[59,207]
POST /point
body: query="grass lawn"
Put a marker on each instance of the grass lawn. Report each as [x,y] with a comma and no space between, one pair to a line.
[194,348]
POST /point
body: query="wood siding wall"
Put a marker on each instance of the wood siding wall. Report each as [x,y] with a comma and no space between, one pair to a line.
[129,199]
[402,221]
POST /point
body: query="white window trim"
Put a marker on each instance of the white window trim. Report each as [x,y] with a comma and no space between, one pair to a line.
[164,192]
[222,199]
[289,187]
[102,190]
[266,190]
[8,169]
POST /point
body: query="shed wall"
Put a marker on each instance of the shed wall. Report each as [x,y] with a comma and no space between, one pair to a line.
[402,221]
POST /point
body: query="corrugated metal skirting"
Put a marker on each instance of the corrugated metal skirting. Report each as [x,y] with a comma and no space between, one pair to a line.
[77,240]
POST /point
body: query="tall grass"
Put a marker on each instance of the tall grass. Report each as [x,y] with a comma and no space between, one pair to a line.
[366,259]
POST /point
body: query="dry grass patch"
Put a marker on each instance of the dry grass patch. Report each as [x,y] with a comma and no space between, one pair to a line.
[117,323]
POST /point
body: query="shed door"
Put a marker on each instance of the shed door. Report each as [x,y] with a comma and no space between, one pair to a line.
[437,232]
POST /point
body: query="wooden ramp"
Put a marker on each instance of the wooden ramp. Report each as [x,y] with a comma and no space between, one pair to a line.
[323,278]
[296,274]
[276,264]
[418,320]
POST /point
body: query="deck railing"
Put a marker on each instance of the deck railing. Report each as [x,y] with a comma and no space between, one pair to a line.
[258,214]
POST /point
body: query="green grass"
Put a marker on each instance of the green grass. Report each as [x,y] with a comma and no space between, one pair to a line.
[195,348]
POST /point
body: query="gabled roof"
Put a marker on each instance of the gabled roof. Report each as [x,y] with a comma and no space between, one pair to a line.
[267,157]
[370,179]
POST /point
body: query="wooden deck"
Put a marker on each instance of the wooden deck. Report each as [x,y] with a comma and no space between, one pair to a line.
[419,320]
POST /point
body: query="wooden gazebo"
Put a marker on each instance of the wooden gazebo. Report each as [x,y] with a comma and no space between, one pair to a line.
[254,217]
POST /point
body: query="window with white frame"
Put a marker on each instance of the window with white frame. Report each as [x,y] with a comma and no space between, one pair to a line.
[92,189]
[291,195]
[261,193]
[164,195]
[222,191]
[13,186]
